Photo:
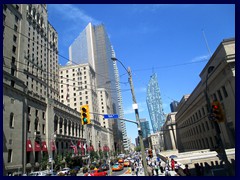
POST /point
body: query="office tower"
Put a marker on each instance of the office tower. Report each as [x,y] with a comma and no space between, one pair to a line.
[93,46]
[126,143]
[173,106]
[154,103]
[145,128]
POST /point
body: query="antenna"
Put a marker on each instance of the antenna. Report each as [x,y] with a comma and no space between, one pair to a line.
[206,43]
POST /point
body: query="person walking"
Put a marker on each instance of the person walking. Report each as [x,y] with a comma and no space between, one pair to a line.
[186,170]
[156,168]
[172,164]
[162,166]
[132,168]
[149,170]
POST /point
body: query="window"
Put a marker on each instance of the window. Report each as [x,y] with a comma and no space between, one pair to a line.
[43,115]
[224,91]
[219,95]
[16,19]
[12,83]
[12,71]
[13,60]
[15,28]
[11,120]
[29,110]
[14,49]
[43,129]
[9,155]
[36,113]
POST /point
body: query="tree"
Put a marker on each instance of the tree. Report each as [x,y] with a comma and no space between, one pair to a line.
[138,148]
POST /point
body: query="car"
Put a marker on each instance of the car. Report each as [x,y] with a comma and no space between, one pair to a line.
[117,167]
[64,171]
[104,167]
[120,160]
[97,172]
[127,163]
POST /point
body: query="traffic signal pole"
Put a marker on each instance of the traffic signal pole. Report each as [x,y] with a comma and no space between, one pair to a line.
[137,116]
[220,147]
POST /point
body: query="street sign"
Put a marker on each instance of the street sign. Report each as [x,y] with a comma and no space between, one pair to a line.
[110,116]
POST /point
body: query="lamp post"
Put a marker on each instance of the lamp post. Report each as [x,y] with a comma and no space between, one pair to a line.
[53,136]
[216,125]
[135,107]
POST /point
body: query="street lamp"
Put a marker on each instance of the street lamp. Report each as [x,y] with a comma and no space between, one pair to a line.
[53,136]
[216,125]
[135,107]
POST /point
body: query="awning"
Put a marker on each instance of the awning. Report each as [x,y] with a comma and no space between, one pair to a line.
[90,148]
[29,146]
[37,147]
[44,146]
[105,148]
[53,147]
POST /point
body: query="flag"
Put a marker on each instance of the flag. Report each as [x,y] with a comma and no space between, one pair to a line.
[79,144]
[74,148]
[53,146]
[82,149]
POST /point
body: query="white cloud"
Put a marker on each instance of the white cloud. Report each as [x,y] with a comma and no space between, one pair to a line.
[71,12]
[200,58]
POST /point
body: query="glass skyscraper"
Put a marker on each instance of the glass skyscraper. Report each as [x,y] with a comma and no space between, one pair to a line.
[154,103]
[145,128]
[93,46]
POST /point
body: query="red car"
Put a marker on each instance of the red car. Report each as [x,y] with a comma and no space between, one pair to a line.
[98,172]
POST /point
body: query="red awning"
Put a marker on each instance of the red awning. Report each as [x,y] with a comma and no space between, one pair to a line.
[53,147]
[44,146]
[90,148]
[29,146]
[37,147]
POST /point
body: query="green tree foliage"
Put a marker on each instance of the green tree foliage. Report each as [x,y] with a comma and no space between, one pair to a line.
[138,148]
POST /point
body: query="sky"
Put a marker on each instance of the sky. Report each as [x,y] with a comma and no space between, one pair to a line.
[173,41]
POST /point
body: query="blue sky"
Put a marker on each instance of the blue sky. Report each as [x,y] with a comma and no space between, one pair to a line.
[163,38]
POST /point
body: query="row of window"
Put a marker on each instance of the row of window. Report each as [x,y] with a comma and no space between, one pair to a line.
[73,70]
[201,112]
[202,143]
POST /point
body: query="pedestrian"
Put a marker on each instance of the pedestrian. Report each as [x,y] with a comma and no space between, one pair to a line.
[132,167]
[136,169]
[162,166]
[167,173]
[176,166]
[186,170]
[197,168]
[201,169]
[172,164]
[149,170]
[156,168]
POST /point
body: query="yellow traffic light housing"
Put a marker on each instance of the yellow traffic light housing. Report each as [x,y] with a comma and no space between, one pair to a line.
[85,114]
[217,111]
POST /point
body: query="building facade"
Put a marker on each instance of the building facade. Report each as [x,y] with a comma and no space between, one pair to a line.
[145,128]
[194,130]
[169,132]
[96,50]
[126,143]
[32,113]
[154,104]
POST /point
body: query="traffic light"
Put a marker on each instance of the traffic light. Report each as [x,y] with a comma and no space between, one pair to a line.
[217,111]
[85,115]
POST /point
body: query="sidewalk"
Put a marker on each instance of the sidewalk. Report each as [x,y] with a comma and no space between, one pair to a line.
[173,173]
